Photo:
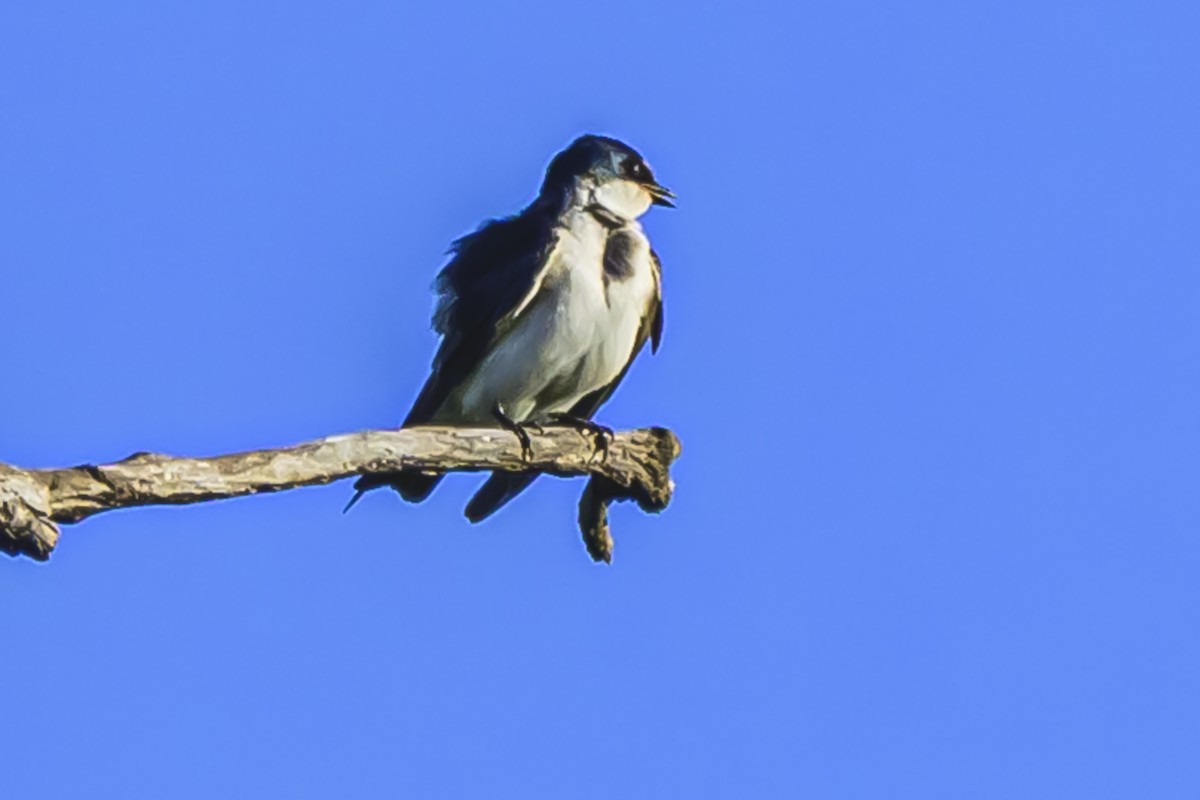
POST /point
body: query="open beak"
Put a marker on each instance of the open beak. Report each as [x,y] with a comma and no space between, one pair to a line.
[661,194]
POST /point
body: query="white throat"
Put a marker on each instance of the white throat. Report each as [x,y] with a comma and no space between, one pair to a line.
[625,199]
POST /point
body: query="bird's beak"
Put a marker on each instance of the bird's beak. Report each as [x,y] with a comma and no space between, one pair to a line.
[661,194]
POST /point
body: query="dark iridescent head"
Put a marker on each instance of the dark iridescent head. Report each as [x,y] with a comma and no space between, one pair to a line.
[615,175]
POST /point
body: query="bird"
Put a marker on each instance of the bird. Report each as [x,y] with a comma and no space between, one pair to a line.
[542,313]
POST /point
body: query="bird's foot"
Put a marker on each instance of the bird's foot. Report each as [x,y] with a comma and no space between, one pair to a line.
[518,429]
[601,435]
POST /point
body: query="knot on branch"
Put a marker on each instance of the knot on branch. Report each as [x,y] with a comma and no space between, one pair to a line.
[25,524]
[648,484]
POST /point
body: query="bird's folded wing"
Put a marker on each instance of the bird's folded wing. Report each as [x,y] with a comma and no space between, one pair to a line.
[495,273]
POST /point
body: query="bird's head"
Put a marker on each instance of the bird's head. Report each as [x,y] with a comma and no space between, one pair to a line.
[612,173]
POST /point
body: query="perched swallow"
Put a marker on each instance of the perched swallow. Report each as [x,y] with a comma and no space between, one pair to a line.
[542,313]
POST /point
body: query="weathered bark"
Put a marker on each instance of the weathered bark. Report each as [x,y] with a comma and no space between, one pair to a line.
[635,467]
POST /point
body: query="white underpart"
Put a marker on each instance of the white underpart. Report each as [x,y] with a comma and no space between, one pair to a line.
[576,334]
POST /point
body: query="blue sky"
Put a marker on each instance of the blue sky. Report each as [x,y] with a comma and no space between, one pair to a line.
[931,348]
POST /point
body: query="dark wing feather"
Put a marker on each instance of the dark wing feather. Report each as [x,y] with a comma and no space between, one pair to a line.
[656,312]
[492,271]
[502,487]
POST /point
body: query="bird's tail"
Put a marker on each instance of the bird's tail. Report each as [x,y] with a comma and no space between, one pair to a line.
[498,490]
[413,486]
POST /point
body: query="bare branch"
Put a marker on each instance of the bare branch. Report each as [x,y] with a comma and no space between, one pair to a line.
[635,468]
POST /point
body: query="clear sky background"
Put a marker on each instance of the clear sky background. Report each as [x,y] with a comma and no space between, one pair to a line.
[931,347]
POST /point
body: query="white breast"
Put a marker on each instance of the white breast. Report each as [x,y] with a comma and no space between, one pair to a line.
[573,338]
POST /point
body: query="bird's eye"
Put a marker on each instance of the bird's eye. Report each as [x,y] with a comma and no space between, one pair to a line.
[635,170]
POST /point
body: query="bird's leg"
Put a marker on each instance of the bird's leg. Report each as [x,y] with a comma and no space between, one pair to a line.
[601,434]
[509,424]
